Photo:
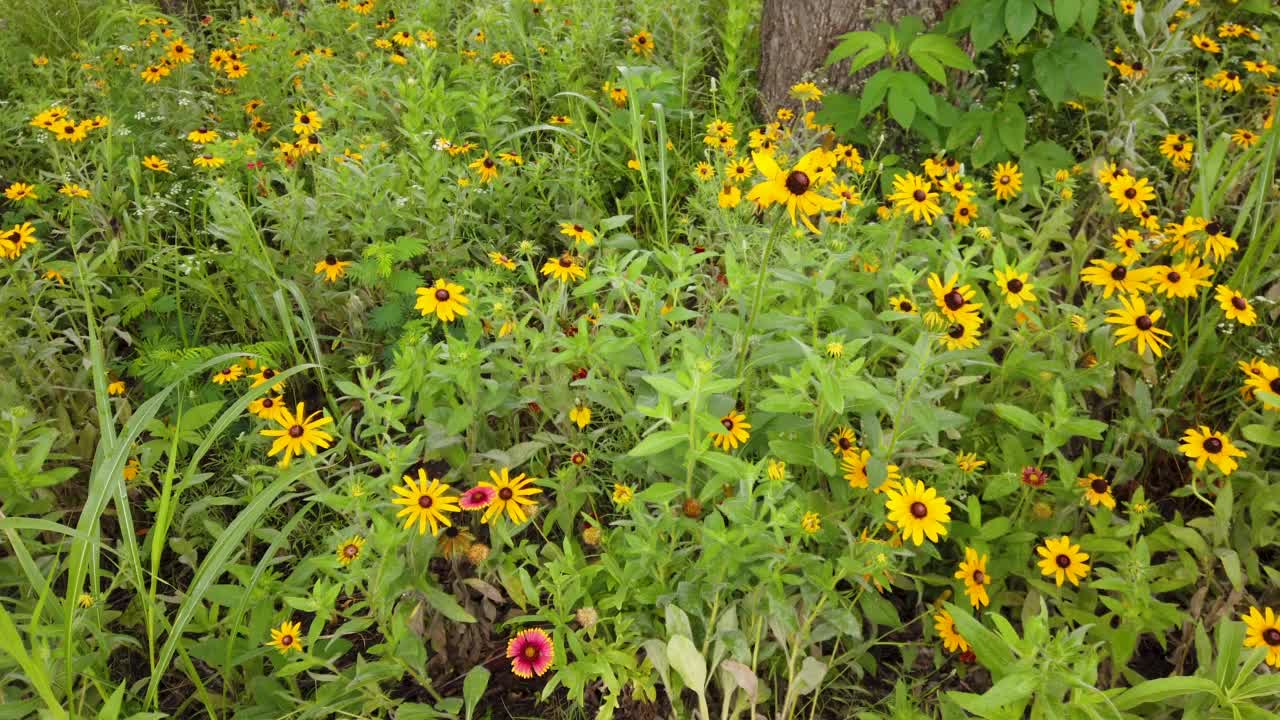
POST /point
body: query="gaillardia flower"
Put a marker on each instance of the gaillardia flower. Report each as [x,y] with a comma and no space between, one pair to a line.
[287,638]
[531,653]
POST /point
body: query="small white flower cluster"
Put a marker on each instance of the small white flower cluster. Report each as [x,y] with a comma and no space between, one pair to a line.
[441,144]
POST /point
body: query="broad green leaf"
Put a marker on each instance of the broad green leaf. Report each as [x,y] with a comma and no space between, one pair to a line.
[1019,17]
[658,442]
[864,47]
[446,604]
[1066,12]
[1161,690]
[1011,124]
[473,687]
[1018,417]
[688,662]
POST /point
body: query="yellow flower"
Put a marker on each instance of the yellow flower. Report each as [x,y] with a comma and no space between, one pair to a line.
[623,494]
[1204,446]
[286,638]
[510,494]
[425,503]
[1062,560]
[729,197]
[298,432]
[915,194]
[116,387]
[973,572]
[228,374]
[735,431]
[1015,286]
[1007,181]
[1235,306]
[446,300]
[332,268]
[797,188]
[811,523]
[642,43]
[1136,323]
[918,511]
[777,470]
[565,269]
[969,462]
[1097,491]
[306,122]
[1262,630]
[85,600]
[21,191]
[806,91]
[152,162]
[946,627]
[1131,194]
[349,550]
[835,350]
[580,415]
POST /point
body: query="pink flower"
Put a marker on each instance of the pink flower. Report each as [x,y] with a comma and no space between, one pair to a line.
[531,653]
[1034,477]
[477,498]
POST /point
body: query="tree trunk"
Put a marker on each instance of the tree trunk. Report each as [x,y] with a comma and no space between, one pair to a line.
[797,35]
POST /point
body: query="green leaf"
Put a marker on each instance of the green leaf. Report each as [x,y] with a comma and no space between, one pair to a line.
[1261,435]
[1004,699]
[901,107]
[810,676]
[658,442]
[991,650]
[446,604]
[1162,689]
[668,386]
[688,662]
[1018,417]
[1019,17]
[1066,12]
[864,47]
[473,687]
[988,26]
[944,49]
[1011,125]
[874,91]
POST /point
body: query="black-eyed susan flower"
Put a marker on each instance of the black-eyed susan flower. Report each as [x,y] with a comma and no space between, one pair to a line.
[735,432]
[1262,630]
[1182,280]
[642,43]
[1062,560]
[180,52]
[903,304]
[236,69]
[1260,67]
[1204,445]
[776,470]
[854,468]
[454,542]
[306,122]
[502,58]
[1217,242]
[1097,491]
[623,494]
[72,190]
[1228,81]
[964,214]
[486,167]
[1244,138]
[580,415]
[1206,43]
[1007,181]
[155,164]
[797,188]
[1129,243]
[501,260]
[951,638]
[1261,376]
[969,462]
[835,350]
[1135,323]
[973,573]
[19,191]
[1235,305]
[843,440]
[531,653]
[510,494]
[287,638]
[560,120]
[152,74]
[811,523]
[332,268]
[264,376]
[349,550]
[806,91]
[132,469]
[1016,288]
[1113,278]
[228,374]
[208,162]
[446,300]
[729,197]
[1131,194]
[915,195]
[953,299]
[267,407]
[962,334]
[578,232]
[425,503]
[565,269]
[202,136]
[1178,147]
[298,432]
[918,511]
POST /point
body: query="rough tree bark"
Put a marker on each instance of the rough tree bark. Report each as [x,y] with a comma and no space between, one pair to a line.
[797,35]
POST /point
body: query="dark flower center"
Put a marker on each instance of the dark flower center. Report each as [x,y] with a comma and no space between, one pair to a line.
[1174,276]
[425,501]
[330,260]
[1212,228]
[641,40]
[1271,636]
[268,403]
[305,120]
[1131,193]
[956,332]
[919,195]
[905,306]
[959,185]
[1005,180]
[1143,322]
[979,576]
[1177,148]
[295,431]
[1232,76]
[1099,486]
[351,551]
[530,652]
[452,532]
[578,228]
[919,510]
[505,493]
[964,212]
[954,300]
[286,640]
[844,443]
[1275,386]
[268,373]
[1063,561]
[1119,273]
[727,423]
[226,371]
[442,295]
[1137,67]
[488,163]
[1213,445]
[1014,285]
[566,262]
[1238,303]
[797,183]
